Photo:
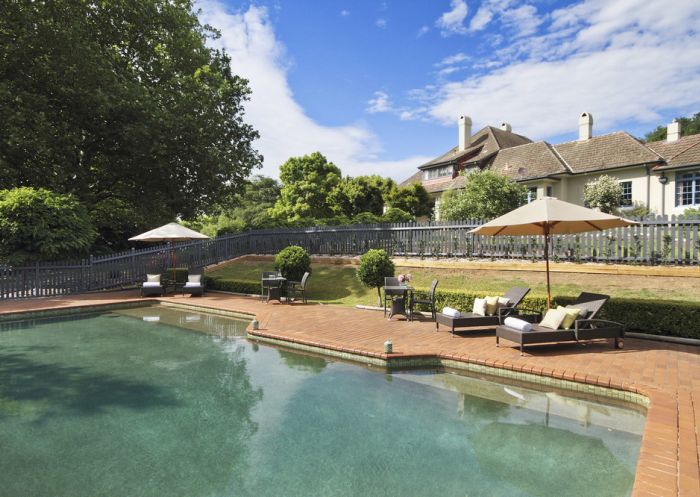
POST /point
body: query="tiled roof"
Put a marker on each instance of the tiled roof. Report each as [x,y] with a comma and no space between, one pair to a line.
[605,152]
[683,152]
[529,161]
[484,144]
[414,178]
[445,184]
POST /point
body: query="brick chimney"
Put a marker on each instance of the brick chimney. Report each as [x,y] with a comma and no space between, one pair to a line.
[465,132]
[585,126]
[673,131]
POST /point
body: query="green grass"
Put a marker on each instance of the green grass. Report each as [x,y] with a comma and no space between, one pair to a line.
[337,284]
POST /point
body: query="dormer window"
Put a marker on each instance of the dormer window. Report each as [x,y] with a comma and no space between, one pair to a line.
[437,172]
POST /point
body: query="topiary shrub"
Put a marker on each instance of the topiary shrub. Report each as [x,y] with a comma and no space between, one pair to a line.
[293,262]
[375,265]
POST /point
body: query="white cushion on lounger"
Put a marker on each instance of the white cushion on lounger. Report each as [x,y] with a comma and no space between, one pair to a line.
[194,278]
[453,313]
[151,284]
[192,284]
[479,307]
[153,278]
[517,324]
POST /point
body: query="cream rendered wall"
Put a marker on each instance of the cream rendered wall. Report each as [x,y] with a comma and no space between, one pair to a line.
[572,186]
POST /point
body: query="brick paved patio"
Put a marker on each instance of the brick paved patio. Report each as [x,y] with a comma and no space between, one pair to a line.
[668,374]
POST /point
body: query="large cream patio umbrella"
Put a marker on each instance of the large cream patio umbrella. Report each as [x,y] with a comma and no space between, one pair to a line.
[171,232]
[550,216]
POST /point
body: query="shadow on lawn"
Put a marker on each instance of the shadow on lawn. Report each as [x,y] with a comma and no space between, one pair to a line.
[53,388]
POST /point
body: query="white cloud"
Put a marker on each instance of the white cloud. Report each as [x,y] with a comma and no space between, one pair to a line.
[344,13]
[380,23]
[423,30]
[453,59]
[380,103]
[452,21]
[482,17]
[623,60]
[285,129]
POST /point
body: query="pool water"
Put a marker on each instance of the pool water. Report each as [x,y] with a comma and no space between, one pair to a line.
[161,402]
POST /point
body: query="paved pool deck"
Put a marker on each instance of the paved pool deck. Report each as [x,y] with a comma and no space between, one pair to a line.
[667,374]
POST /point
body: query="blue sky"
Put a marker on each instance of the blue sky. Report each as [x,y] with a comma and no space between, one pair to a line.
[377,86]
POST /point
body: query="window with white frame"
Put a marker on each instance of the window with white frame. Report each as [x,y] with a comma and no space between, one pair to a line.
[437,172]
[688,189]
[531,194]
[626,197]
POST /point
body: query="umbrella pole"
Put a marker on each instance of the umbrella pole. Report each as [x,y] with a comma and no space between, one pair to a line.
[174,261]
[546,261]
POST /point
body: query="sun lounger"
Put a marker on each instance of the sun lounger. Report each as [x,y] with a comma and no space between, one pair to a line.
[586,327]
[470,320]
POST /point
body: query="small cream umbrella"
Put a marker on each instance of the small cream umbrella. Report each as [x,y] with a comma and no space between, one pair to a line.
[171,232]
[550,216]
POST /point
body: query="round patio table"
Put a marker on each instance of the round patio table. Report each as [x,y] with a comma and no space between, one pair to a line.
[398,303]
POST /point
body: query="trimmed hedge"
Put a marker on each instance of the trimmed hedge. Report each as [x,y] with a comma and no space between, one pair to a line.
[180,274]
[228,285]
[657,317]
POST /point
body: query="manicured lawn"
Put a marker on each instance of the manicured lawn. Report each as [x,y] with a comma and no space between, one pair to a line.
[336,284]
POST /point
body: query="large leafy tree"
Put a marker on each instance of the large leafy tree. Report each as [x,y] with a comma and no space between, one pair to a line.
[486,195]
[39,225]
[122,104]
[689,126]
[360,194]
[306,183]
[413,199]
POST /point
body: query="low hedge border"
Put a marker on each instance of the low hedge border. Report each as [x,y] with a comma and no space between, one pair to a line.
[656,317]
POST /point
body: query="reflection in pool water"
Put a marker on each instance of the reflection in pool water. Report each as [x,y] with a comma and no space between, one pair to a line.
[112,404]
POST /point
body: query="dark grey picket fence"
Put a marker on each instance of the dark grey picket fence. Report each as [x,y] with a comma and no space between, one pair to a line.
[655,240]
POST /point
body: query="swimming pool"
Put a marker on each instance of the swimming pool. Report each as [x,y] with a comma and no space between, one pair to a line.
[154,401]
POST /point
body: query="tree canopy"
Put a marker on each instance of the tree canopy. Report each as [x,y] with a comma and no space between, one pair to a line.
[353,196]
[123,105]
[306,184]
[689,126]
[413,199]
[486,195]
[39,225]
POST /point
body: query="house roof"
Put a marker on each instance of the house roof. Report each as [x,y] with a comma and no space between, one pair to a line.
[604,152]
[414,178]
[485,142]
[529,161]
[683,152]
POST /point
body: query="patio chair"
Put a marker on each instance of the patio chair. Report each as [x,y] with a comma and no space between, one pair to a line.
[586,327]
[389,295]
[429,301]
[194,284]
[469,319]
[297,288]
[266,284]
[153,286]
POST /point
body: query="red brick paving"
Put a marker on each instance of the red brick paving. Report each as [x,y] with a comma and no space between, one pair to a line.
[668,374]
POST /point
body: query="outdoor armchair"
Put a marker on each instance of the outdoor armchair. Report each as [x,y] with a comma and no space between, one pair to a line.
[429,301]
[195,283]
[389,295]
[586,327]
[153,286]
[469,319]
[297,288]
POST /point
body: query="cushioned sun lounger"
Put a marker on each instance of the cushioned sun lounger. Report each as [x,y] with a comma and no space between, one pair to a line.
[586,327]
[470,320]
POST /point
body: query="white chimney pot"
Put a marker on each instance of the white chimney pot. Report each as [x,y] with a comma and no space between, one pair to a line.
[506,127]
[585,126]
[673,131]
[465,132]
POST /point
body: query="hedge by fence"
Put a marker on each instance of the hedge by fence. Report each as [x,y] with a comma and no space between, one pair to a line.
[229,285]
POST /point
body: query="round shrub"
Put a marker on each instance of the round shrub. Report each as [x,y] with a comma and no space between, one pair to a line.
[293,262]
[375,265]
[396,215]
